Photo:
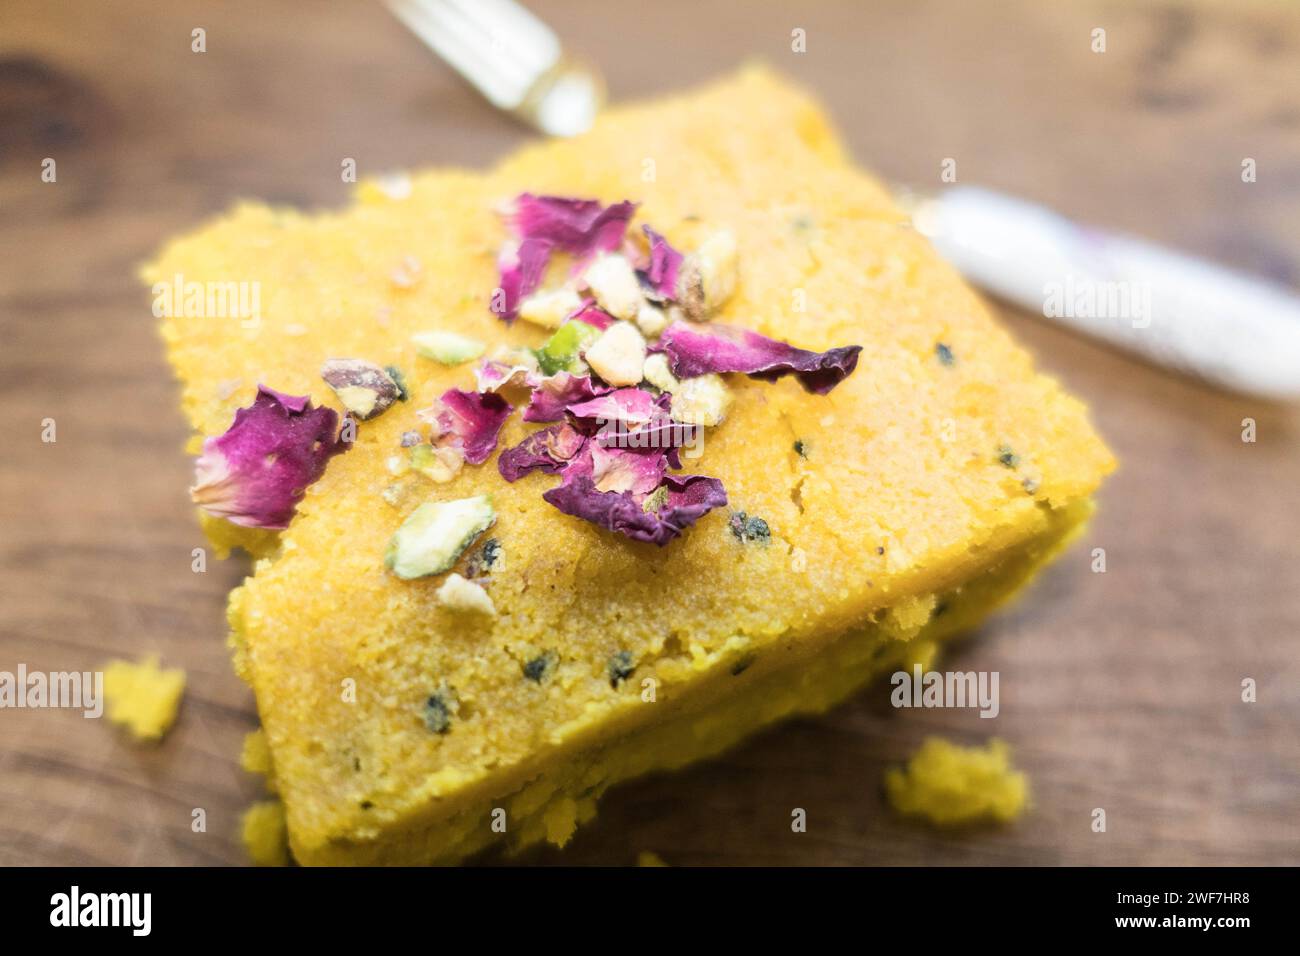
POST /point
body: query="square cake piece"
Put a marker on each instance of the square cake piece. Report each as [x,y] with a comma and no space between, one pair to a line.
[861,526]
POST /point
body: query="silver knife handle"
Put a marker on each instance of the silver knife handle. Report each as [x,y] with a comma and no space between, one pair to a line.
[1231,329]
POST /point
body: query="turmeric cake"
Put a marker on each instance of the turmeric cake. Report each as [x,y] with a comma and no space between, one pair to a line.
[594,463]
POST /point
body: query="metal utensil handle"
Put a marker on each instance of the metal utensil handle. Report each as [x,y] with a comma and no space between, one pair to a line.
[1235,330]
[514,59]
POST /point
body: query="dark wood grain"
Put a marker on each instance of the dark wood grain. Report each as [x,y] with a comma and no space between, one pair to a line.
[1119,690]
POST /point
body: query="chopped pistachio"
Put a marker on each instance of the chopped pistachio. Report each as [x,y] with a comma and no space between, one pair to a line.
[436,464]
[411,438]
[461,594]
[746,529]
[439,708]
[944,352]
[541,666]
[365,389]
[656,499]
[397,464]
[742,665]
[449,348]
[563,350]
[515,355]
[651,319]
[550,308]
[658,374]
[800,448]
[618,356]
[702,400]
[435,534]
[621,666]
[614,284]
[1007,457]
[707,277]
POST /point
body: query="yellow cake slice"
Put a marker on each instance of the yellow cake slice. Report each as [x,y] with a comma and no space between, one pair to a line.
[899,508]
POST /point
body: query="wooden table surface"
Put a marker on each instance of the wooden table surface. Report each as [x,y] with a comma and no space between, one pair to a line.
[1122,689]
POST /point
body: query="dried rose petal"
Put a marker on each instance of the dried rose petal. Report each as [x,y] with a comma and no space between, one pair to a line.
[548,449]
[621,469]
[632,407]
[256,473]
[492,375]
[581,227]
[593,314]
[658,517]
[521,265]
[553,395]
[697,350]
[660,273]
[468,422]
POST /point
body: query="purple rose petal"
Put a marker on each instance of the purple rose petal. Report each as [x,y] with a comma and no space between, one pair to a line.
[581,227]
[492,375]
[553,395]
[548,450]
[593,314]
[660,274]
[699,349]
[685,499]
[633,407]
[256,473]
[521,265]
[468,422]
[621,469]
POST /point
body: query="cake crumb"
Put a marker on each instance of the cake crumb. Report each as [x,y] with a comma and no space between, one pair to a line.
[953,786]
[256,757]
[142,696]
[265,834]
[560,819]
